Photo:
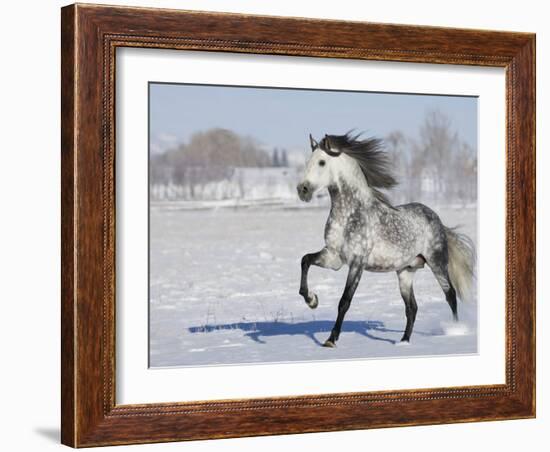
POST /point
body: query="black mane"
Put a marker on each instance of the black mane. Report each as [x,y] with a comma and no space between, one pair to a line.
[371,157]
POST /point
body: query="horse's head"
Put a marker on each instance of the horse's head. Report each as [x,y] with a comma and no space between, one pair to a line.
[320,171]
[361,163]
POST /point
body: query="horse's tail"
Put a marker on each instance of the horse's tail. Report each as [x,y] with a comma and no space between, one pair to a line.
[462,261]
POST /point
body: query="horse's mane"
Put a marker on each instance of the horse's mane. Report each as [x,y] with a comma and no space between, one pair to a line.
[371,157]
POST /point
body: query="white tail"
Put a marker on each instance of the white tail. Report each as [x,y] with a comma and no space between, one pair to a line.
[462,261]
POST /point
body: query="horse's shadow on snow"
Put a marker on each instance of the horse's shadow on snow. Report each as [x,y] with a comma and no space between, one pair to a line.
[258,330]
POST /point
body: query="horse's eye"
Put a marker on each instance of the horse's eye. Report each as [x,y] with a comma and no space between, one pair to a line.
[322,163]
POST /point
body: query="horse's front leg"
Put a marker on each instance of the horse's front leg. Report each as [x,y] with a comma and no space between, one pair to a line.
[354,276]
[325,258]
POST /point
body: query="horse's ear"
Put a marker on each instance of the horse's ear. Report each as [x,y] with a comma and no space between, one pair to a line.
[313,143]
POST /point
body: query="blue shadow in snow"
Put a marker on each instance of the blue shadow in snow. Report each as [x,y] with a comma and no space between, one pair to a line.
[258,330]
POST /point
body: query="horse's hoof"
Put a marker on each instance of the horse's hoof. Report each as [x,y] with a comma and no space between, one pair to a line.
[328,343]
[403,343]
[312,301]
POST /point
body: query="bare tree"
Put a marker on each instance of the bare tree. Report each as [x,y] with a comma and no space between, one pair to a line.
[436,152]
[438,165]
[275,160]
[209,156]
[396,145]
[284,158]
[465,174]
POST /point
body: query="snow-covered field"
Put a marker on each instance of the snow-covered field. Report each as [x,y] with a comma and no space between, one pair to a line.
[224,290]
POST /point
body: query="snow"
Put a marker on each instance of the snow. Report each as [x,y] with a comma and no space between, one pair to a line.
[224,282]
[242,184]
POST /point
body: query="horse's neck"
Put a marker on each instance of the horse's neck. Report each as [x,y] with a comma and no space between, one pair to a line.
[346,197]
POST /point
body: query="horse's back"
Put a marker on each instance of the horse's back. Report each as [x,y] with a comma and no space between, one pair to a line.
[428,223]
[420,211]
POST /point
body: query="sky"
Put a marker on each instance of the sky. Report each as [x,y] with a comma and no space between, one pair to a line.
[284,118]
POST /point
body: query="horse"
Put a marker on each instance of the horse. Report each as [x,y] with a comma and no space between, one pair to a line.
[366,232]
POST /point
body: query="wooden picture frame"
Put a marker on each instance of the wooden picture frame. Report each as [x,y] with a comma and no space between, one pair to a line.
[90,36]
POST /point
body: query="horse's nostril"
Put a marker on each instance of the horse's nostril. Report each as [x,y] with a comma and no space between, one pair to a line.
[304,190]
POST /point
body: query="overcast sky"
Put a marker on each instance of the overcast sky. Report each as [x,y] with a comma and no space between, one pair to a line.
[284,117]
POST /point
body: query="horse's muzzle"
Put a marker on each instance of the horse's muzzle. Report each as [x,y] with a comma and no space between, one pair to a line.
[305,191]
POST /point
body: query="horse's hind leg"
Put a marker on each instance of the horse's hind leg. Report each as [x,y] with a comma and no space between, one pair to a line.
[325,258]
[442,275]
[406,277]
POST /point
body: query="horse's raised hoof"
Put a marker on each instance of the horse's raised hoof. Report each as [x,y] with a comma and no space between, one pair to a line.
[328,343]
[312,301]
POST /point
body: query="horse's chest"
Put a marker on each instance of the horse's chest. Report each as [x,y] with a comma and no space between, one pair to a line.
[334,234]
[348,237]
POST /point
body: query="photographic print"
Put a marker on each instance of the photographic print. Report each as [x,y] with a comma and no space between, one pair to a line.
[291,225]
[243,202]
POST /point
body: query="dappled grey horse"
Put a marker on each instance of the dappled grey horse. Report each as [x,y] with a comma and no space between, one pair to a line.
[366,232]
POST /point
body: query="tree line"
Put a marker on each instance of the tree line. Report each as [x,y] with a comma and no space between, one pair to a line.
[211,156]
[437,165]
